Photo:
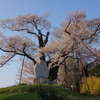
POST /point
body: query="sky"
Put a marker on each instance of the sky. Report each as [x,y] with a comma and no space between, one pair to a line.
[58,12]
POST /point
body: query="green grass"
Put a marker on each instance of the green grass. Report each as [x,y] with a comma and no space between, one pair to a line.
[28,92]
[19,96]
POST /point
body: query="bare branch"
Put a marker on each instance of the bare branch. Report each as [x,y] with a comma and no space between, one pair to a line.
[7,50]
[67,27]
[23,30]
[93,37]
[90,50]
[31,33]
[8,60]
[93,33]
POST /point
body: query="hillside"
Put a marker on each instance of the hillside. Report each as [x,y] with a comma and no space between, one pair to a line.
[30,92]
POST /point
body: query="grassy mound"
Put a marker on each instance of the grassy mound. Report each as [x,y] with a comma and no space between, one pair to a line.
[29,92]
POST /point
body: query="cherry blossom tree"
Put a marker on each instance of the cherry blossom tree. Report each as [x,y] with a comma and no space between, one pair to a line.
[74,35]
[21,45]
[75,32]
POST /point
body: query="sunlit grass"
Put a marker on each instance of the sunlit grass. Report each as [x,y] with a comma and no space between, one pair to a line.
[28,92]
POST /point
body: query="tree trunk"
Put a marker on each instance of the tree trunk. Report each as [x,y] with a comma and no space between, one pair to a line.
[84,72]
[78,71]
[53,71]
[41,45]
[21,70]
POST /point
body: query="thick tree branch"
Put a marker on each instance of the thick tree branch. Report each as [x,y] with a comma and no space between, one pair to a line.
[7,50]
[46,39]
[21,54]
[67,27]
[27,55]
[10,51]
[31,33]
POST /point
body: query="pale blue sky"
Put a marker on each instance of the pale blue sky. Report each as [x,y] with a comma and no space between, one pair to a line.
[58,11]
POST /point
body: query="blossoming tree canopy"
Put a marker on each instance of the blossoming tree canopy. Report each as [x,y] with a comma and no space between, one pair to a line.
[31,24]
[75,33]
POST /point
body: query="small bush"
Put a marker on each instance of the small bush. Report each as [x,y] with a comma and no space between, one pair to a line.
[94,86]
[49,93]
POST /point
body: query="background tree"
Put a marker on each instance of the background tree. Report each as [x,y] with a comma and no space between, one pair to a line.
[61,75]
[27,74]
[94,71]
[67,66]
